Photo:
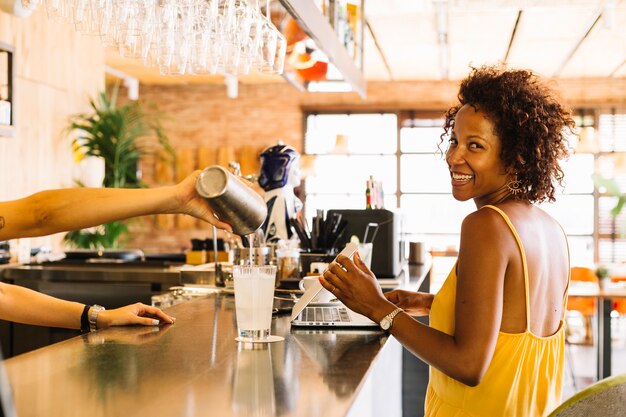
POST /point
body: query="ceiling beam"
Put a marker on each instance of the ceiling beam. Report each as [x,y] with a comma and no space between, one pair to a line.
[508,49]
[594,20]
[380,50]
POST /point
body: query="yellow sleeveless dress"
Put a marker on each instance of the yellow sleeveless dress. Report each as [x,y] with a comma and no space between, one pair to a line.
[524,378]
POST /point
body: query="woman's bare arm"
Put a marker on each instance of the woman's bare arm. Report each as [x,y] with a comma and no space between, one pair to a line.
[465,355]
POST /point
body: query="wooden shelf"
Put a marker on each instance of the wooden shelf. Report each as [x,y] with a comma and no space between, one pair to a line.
[314,24]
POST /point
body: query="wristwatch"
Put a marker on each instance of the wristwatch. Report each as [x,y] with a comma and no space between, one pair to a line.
[387,321]
[93,317]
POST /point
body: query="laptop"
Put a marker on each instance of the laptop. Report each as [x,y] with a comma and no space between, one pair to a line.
[332,314]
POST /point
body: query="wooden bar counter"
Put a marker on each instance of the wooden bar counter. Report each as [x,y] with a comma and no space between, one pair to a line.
[196,368]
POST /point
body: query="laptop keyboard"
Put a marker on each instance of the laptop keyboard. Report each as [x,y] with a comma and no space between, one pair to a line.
[325,314]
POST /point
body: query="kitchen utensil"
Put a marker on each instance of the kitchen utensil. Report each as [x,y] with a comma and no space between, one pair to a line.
[232,200]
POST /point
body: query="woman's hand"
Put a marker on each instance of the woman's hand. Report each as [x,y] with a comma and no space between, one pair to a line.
[356,286]
[414,303]
[137,313]
[191,203]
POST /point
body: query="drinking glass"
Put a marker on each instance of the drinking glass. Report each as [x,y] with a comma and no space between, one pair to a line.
[254,300]
[180,36]
[267,49]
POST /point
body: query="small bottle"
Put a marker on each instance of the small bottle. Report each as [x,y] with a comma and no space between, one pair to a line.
[368,194]
[380,197]
[374,197]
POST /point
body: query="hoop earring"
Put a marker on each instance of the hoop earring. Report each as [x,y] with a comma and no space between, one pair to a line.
[514,186]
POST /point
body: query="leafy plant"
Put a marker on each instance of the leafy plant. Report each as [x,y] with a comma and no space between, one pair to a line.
[602,272]
[105,236]
[121,135]
[612,189]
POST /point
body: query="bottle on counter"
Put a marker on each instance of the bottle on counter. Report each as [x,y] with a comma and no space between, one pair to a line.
[380,197]
[368,194]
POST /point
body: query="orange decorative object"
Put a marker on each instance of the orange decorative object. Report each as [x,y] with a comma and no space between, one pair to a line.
[293,32]
[310,69]
[315,72]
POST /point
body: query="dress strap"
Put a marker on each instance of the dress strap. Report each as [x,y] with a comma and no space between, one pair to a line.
[569,272]
[524,263]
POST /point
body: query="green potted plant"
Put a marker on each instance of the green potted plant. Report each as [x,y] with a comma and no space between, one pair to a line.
[121,135]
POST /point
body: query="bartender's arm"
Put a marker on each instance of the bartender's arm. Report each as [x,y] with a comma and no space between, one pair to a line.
[26,306]
[62,210]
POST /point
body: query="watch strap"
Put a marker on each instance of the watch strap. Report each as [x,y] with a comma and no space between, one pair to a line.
[391,316]
[93,317]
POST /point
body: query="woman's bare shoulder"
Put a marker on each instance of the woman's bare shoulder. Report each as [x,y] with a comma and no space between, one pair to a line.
[485,228]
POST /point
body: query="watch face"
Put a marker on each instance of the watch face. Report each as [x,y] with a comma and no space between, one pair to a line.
[384,323]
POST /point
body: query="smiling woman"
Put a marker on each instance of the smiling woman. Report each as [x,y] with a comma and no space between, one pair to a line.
[496,336]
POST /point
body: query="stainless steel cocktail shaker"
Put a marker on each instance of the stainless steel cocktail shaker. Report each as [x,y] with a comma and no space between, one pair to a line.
[232,199]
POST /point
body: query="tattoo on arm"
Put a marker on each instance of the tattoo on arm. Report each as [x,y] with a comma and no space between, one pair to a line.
[1,222]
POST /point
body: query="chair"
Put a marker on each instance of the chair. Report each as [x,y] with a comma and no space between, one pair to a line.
[586,306]
[605,398]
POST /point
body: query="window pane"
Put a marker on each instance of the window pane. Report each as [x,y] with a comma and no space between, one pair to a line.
[420,139]
[348,174]
[574,212]
[372,133]
[581,250]
[429,213]
[578,170]
[327,202]
[612,132]
[611,251]
[321,132]
[613,166]
[424,173]
[364,133]
[607,224]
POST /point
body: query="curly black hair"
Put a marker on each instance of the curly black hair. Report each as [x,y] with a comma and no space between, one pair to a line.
[529,120]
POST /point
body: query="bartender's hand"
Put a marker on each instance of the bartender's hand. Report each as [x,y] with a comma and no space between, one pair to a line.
[356,286]
[190,202]
[414,303]
[137,313]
